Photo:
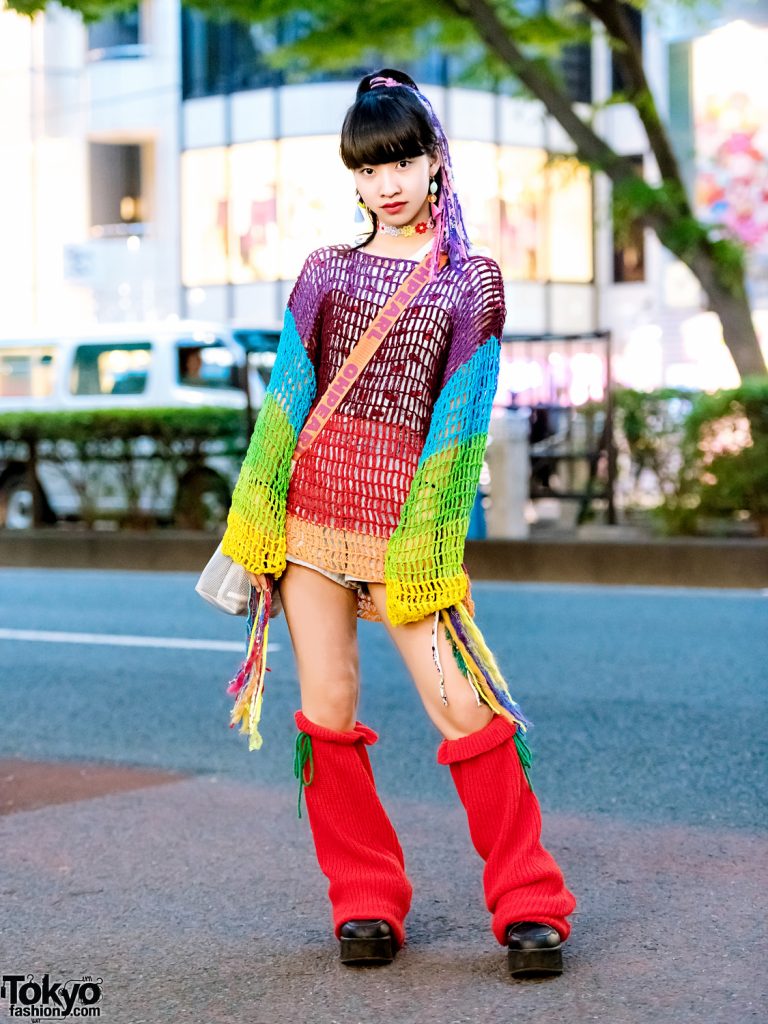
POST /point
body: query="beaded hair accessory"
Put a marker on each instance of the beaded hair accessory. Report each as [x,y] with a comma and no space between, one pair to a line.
[450,231]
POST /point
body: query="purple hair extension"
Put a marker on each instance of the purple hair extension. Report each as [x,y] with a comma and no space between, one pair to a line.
[450,230]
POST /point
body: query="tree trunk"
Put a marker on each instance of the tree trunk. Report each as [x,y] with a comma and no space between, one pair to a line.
[732,307]
[738,330]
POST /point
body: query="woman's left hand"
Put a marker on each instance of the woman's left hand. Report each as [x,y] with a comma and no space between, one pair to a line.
[259,581]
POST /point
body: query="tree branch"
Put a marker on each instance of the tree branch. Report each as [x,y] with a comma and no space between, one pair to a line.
[630,58]
[670,206]
[590,148]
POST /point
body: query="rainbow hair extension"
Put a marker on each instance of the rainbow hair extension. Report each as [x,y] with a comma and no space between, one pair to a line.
[248,683]
[484,676]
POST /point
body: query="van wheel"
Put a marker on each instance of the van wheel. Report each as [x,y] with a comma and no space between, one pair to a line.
[202,501]
[17,505]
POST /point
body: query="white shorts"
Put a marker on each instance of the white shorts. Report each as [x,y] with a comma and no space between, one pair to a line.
[351,582]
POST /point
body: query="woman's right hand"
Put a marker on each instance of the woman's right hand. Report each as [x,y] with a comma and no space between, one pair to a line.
[258,581]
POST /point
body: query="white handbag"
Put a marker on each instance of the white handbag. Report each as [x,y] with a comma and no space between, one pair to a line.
[224,584]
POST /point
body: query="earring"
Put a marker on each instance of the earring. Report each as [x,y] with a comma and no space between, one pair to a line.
[432,197]
[362,214]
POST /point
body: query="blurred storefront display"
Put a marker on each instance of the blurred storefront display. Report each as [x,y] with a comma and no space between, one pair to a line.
[251,213]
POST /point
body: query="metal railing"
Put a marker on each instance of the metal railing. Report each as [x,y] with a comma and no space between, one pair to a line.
[565,382]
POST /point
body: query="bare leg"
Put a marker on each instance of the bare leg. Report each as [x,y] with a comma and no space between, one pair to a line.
[521,880]
[357,847]
[461,715]
[322,621]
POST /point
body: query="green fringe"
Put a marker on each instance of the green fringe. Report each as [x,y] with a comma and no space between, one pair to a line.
[523,750]
[457,654]
[524,753]
[303,753]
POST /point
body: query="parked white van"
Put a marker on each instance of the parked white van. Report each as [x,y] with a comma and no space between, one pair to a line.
[171,364]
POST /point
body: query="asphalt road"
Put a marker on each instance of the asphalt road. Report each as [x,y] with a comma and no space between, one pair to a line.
[195,896]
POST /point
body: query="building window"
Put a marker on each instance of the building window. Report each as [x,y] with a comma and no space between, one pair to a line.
[220,57]
[569,221]
[546,217]
[629,251]
[629,259]
[115,33]
[680,109]
[476,170]
[117,200]
[205,217]
[576,65]
[635,18]
[253,234]
[312,209]
[730,112]
[250,212]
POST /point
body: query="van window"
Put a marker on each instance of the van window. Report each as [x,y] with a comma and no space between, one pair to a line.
[205,366]
[26,373]
[117,368]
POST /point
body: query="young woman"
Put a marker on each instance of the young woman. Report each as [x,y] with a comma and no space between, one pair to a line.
[372,523]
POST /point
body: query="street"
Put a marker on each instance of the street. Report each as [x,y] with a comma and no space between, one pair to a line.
[192,889]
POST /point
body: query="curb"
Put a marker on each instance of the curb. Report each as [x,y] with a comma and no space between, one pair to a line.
[678,562]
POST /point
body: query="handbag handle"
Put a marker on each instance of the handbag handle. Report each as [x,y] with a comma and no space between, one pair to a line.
[362,353]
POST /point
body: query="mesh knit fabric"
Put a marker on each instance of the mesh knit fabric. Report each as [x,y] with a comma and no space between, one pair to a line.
[386,490]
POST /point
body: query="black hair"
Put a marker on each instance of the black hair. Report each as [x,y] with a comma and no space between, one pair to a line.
[386,124]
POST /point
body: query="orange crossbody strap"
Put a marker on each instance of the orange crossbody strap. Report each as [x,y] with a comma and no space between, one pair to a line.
[362,352]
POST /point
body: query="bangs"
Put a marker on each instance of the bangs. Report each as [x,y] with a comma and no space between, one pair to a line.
[382,129]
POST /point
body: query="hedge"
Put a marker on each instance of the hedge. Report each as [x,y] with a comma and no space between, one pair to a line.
[141,447]
[708,454]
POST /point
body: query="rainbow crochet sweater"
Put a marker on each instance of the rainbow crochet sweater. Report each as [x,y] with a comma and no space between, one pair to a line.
[386,490]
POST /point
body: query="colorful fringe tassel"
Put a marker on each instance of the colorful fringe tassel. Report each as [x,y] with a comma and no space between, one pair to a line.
[484,676]
[248,684]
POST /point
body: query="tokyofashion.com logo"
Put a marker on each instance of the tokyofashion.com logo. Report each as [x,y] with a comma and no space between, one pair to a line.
[46,999]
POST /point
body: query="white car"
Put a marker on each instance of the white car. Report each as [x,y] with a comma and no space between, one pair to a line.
[179,364]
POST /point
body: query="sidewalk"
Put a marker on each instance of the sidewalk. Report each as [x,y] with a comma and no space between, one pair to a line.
[200,900]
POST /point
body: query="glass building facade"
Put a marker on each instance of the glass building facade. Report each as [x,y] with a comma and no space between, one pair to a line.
[250,212]
[220,57]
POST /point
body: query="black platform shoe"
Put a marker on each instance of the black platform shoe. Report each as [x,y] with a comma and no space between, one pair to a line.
[535,950]
[367,942]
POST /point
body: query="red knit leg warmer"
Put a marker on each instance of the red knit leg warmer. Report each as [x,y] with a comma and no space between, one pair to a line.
[357,848]
[521,880]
